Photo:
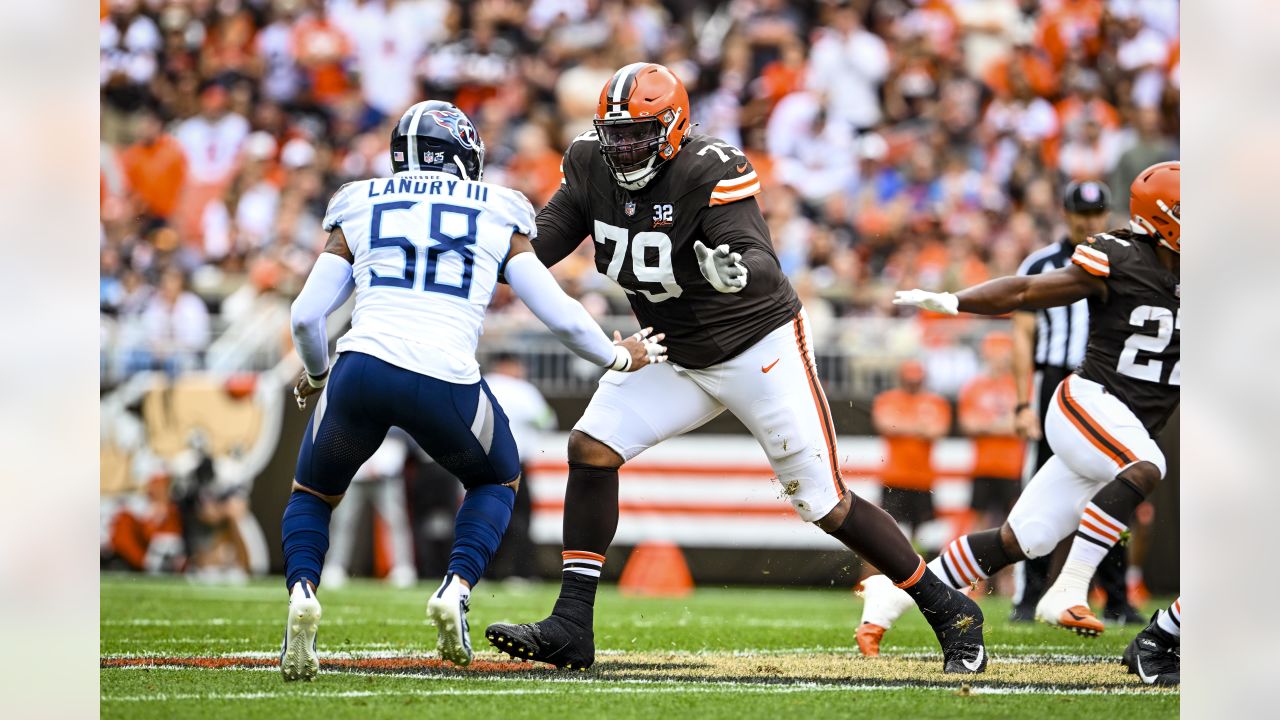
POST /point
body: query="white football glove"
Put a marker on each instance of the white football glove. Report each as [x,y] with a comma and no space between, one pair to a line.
[655,352]
[934,302]
[721,267]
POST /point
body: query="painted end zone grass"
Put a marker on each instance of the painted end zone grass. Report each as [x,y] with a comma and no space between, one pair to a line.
[172,649]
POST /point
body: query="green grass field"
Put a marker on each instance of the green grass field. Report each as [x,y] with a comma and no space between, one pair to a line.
[171,649]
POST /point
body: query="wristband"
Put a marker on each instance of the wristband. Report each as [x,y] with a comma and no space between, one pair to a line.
[621,359]
[317,381]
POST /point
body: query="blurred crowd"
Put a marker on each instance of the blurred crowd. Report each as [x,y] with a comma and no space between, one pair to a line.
[901,142]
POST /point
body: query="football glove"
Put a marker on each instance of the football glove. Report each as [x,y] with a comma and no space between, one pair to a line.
[307,386]
[721,267]
[935,302]
[655,352]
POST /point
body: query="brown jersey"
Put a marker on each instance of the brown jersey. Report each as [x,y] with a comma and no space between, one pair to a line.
[644,241]
[1134,333]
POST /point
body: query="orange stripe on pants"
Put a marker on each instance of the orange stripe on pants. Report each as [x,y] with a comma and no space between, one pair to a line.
[820,403]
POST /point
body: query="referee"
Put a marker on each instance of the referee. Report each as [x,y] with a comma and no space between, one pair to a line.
[1052,342]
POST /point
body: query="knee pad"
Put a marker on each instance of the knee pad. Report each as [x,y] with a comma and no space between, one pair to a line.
[1037,538]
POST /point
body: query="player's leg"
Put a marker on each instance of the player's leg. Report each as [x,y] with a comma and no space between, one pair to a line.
[468,434]
[343,432]
[629,413]
[773,388]
[1047,511]
[1034,575]
[1120,453]
[1155,654]
[342,534]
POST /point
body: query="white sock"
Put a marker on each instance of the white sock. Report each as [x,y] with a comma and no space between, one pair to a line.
[1075,578]
[956,565]
[1171,620]
[1095,536]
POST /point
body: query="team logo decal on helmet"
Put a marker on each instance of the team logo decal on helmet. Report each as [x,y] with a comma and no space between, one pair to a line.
[458,126]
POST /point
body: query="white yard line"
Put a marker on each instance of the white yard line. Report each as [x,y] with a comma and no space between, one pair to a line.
[632,687]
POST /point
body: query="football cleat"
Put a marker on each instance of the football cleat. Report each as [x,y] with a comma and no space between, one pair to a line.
[555,641]
[1154,655]
[298,658]
[868,638]
[960,635]
[1059,607]
[883,604]
[447,610]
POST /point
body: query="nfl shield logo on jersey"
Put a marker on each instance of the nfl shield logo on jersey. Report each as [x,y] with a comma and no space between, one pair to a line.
[629,208]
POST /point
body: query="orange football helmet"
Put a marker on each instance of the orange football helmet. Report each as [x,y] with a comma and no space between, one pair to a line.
[642,119]
[1155,207]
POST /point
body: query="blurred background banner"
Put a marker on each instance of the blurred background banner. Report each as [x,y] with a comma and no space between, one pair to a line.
[900,144]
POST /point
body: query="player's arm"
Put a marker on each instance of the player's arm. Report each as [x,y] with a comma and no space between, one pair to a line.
[328,286]
[1016,292]
[569,321]
[561,227]
[1025,420]
[738,245]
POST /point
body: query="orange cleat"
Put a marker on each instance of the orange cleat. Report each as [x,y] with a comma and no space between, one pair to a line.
[1080,620]
[868,637]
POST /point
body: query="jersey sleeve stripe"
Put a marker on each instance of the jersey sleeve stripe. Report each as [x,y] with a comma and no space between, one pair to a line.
[736,183]
[1091,252]
[1092,267]
[722,198]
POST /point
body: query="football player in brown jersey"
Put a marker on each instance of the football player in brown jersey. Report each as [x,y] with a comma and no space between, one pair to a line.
[1105,415]
[674,221]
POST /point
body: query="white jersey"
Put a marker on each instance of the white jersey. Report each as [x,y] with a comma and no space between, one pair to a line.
[428,248]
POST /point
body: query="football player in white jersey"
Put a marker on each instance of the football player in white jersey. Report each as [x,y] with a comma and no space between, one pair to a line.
[422,251]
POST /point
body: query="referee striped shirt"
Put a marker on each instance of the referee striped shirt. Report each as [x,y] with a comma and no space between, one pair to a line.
[1061,332]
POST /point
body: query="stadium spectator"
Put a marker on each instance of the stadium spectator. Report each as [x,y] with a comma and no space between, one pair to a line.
[910,419]
[986,414]
[154,166]
[176,327]
[847,65]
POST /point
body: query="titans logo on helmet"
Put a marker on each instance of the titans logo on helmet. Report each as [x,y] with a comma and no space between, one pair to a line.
[458,126]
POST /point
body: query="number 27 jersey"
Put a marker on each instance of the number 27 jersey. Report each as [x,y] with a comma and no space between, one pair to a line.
[428,248]
[1135,333]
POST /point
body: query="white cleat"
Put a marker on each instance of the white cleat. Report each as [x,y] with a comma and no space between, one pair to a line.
[884,603]
[447,609]
[298,659]
[1066,609]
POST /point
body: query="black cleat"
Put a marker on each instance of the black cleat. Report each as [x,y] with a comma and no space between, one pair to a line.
[960,635]
[1154,655]
[555,641]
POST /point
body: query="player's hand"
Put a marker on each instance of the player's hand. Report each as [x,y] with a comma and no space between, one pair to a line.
[638,350]
[307,386]
[721,267]
[1027,424]
[935,302]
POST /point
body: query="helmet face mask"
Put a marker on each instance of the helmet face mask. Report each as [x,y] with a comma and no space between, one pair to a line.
[437,136]
[631,147]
